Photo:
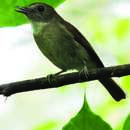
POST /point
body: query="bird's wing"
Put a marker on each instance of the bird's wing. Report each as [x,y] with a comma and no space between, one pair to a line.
[83,41]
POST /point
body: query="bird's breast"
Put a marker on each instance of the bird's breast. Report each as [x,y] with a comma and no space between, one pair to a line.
[59,46]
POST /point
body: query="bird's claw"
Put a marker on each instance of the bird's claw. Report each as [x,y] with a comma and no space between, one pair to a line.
[85,71]
[51,77]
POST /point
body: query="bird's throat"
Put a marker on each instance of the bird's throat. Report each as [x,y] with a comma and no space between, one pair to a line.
[38,26]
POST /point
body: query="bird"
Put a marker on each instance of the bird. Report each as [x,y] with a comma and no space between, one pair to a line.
[64,45]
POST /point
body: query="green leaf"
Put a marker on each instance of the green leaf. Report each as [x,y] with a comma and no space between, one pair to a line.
[8,15]
[51,125]
[127,123]
[122,28]
[86,120]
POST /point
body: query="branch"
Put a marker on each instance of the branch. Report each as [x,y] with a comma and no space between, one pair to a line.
[64,79]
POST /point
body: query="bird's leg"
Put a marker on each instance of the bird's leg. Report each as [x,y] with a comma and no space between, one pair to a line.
[50,76]
[58,73]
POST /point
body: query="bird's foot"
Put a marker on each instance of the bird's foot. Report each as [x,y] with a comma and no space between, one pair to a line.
[51,77]
[85,71]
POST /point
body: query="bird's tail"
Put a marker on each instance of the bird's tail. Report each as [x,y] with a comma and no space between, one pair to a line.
[114,89]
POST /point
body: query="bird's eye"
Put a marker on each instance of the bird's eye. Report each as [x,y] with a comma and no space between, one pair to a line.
[40,8]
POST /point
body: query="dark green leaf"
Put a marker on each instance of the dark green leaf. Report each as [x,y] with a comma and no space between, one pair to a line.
[86,120]
[127,123]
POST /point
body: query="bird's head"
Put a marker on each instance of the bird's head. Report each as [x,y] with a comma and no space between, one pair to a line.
[37,12]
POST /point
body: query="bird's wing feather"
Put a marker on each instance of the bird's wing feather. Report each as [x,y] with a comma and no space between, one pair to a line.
[83,41]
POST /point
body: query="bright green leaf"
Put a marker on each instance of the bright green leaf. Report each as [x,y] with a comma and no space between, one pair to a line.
[127,123]
[51,125]
[8,15]
[86,120]
[122,28]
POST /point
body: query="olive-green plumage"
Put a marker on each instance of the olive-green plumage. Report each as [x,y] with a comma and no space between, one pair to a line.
[63,44]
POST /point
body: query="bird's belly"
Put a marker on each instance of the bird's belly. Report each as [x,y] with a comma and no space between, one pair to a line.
[61,53]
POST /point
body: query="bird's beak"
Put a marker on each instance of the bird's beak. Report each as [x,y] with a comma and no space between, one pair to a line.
[23,10]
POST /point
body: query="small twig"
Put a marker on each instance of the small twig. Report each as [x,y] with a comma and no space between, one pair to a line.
[64,79]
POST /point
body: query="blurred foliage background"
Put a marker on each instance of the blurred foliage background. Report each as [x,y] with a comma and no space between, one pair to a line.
[106,24]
